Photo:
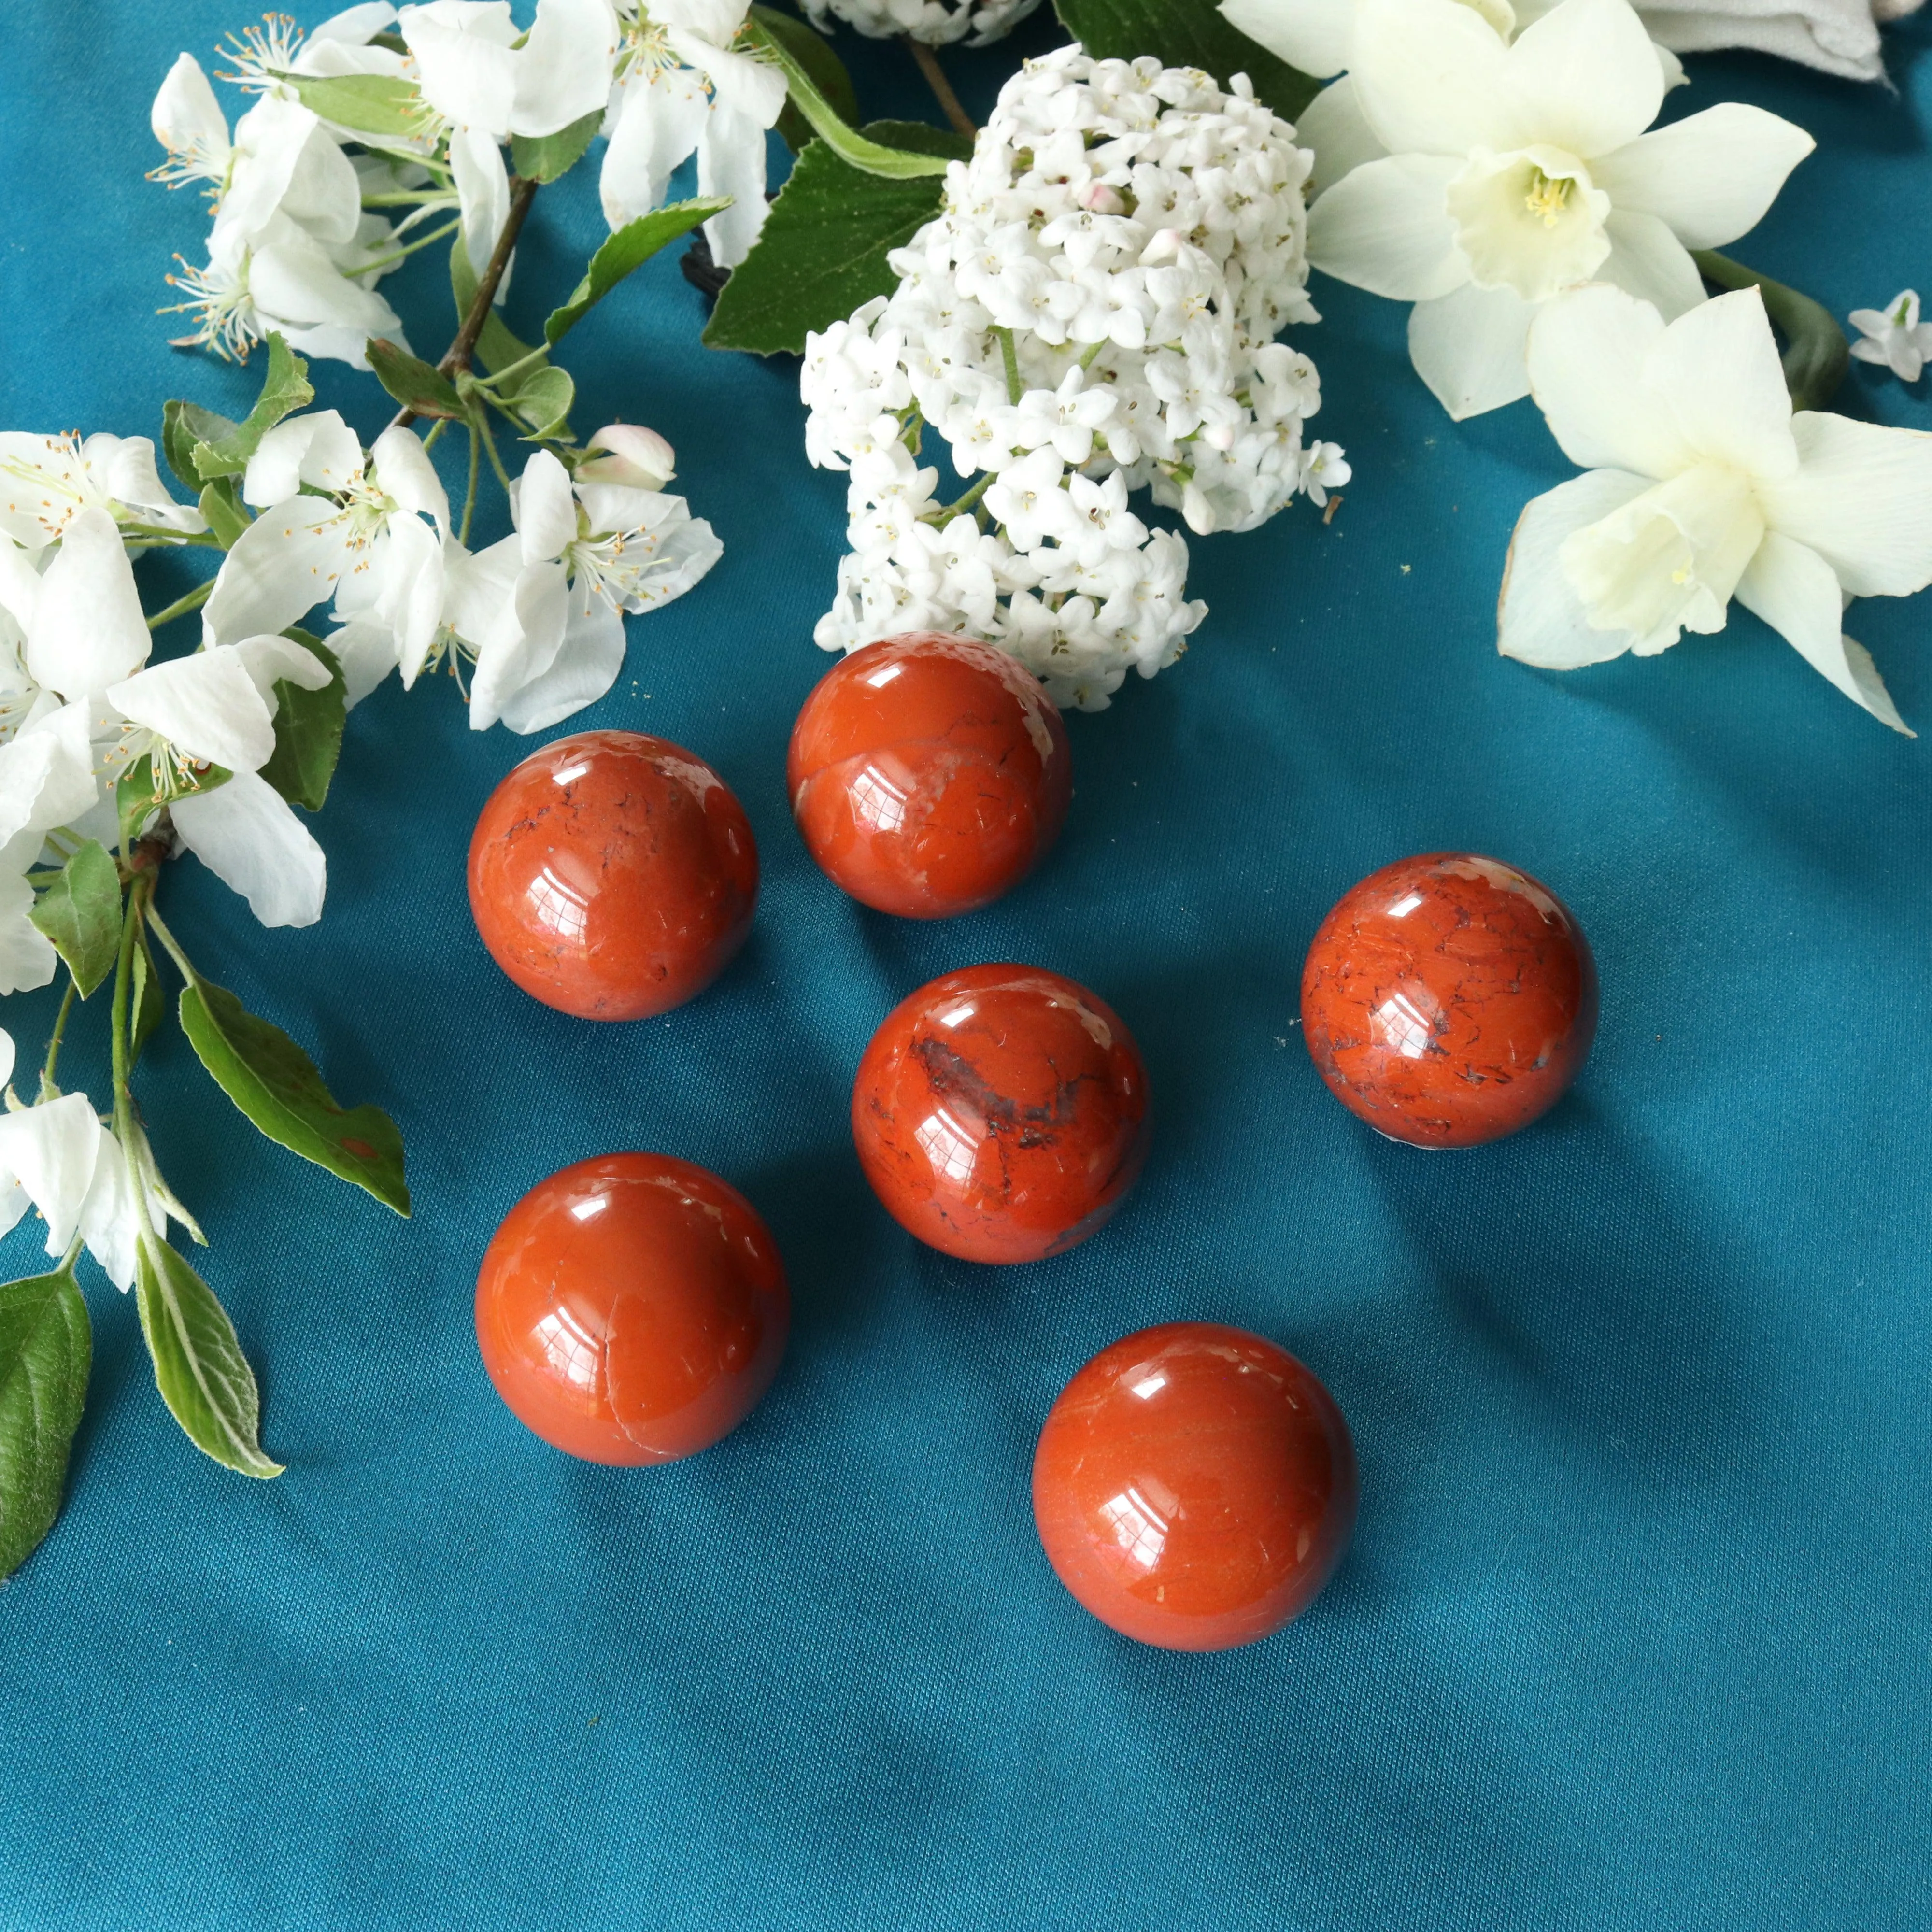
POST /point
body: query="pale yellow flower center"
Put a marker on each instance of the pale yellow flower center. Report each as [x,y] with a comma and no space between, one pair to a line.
[1548,199]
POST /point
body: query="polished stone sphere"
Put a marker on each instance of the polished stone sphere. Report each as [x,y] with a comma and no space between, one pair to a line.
[613,875]
[1194,1485]
[928,774]
[631,1308]
[1001,1113]
[1449,1000]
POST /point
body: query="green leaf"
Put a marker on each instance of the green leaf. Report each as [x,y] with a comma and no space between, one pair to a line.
[308,731]
[895,163]
[543,398]
[221,506]
[496,348]
[200,1369]
[813,52]
[628,248]
[285,389]
[46,1347]
[1816,355]
[183,425]
[150,1009]
[1185,33]
[546,156]
[80,912]
[823,248]
[371,103]
[276,1084]
[416,384]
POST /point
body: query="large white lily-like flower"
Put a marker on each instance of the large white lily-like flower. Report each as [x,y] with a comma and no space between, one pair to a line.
[1475,175]
[1703,485]
[542,609]
[679,88]
[45,479]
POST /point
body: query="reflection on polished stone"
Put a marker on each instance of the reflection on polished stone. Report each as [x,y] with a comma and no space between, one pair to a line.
[613,875]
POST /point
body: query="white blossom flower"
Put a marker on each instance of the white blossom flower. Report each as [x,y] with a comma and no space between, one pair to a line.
[1703,485]
[1092,312]
[938,22]
[1474,174]
[45,479]
[1894,336]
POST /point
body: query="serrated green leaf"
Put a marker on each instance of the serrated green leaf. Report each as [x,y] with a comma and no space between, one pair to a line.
[496,348]
[277,1086]
[416,384]
[813,52]
[823,251]
[1817,357]
[543,398]
[1185,33]
[870,156]
[628,248]
[308,731]
[371,104]
[221,509]
[46,1345]
[544,157]
[285,389]
[183,425]
[149,1008]
[200,1369]
[80,913]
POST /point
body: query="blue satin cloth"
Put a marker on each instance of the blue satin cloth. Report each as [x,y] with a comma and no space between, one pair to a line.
[1633,1634]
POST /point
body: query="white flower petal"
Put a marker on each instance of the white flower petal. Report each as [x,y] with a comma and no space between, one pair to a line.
[481,595]
[1586,356]
[319,449]
[1333,125]
[658,124]
[464,66]
[404,472]
[19,587]
[268,142]
[1467,347]
[205,705]
[1313,35]
[47,772]
[1717,370]
[1647,261]
[482,191]
[751,89]
[365,648]
[126,467]
[731,161]
[110,1223]
[1429,77]
[1710,176]
[27,956]
[245,833]
[271,660]
[1862,499]
[1584,77]
[6,1048]
[87,628]
[323,194]
[517,656]
[1385,227]
[187,118]
[1528,219]
[285,563]
[546,511]
[294,284]
[636,456]
[563,70]
[586,666]
[1540,618]
[409,571]
[52,1150]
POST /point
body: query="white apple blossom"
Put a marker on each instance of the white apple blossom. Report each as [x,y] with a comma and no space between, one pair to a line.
[1702,485]
[1894,336]
[1092,312]
[45,479]
[938,22]
[1474,174]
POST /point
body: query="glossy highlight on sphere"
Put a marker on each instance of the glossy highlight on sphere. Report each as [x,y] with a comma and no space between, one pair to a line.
[1449,1000]
[631,1308]
[1194,1485]
[613,875]
[1001,1113]
[928,774]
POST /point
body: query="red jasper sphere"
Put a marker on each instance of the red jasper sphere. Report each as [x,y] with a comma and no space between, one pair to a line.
[1001,1113]
[1449,1000]
[612,875]
[928,774]
[631,1308]
[1195,1486]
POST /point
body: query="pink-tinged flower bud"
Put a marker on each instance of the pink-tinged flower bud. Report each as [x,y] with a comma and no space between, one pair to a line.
[637,457]
[1099,199]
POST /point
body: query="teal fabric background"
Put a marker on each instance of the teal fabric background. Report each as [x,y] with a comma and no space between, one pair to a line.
[1633,1632]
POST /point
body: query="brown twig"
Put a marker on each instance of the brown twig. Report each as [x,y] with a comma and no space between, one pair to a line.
[942,88]
[456,358]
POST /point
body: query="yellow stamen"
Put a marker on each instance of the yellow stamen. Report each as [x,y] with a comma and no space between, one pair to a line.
[1548,198]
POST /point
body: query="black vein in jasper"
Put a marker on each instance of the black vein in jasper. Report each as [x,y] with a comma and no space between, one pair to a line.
[951,1076]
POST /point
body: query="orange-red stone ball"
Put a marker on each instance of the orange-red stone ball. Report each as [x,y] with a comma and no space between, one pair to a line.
[1194,1485]
[631,1308]
[928,774]
[1001,1113]
[613,875]
[1449,1000]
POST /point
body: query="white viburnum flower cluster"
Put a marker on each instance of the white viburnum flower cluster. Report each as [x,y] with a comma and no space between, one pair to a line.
[939,23]
[299,237]
[1092,312]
